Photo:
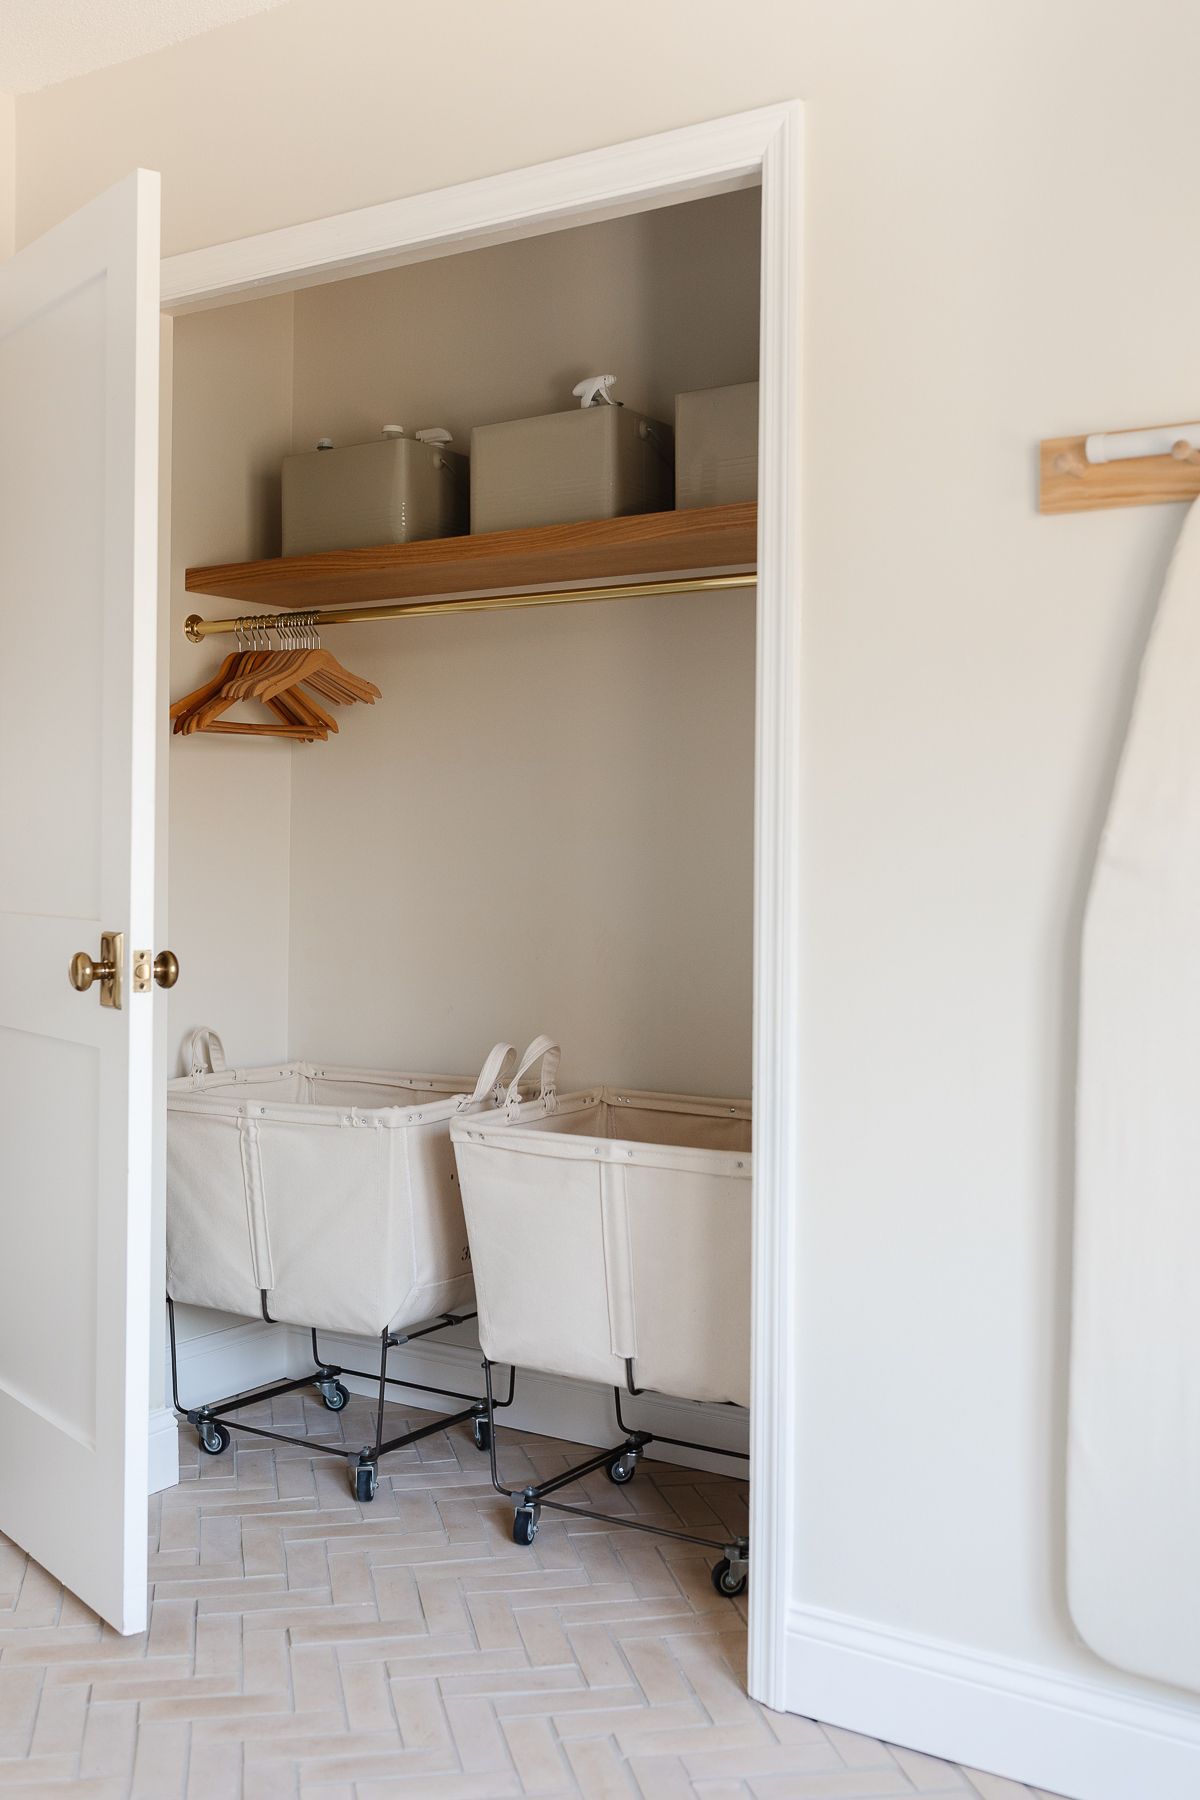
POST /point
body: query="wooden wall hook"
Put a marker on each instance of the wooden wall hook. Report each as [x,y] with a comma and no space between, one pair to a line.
[1185,452]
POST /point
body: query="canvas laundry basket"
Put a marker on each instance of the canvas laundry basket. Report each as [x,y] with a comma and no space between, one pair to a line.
[320,1196]
[611,1224]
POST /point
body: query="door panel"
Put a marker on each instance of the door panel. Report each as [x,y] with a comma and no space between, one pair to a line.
[79,340]
[45,469]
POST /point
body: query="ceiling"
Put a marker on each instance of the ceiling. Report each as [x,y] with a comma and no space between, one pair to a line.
[44,41]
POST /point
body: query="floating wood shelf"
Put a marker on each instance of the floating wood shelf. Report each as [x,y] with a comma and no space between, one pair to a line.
[704,538]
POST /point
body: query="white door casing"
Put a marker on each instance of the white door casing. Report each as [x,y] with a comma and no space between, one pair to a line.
[79,340]
[762,148]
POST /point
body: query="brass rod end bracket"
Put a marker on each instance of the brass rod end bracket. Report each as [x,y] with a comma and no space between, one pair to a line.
[191,627]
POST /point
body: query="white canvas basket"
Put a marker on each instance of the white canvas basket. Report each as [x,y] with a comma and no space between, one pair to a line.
[609,1225]
[319,1196]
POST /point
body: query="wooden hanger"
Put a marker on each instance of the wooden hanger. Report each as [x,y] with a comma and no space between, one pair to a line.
[274,677]
[320,669]
[200,710]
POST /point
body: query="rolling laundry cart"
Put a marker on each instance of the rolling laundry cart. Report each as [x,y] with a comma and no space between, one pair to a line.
[610,1239]
[327,1198]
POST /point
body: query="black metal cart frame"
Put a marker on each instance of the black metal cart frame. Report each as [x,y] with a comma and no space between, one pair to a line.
[213,1424]
[730,1575]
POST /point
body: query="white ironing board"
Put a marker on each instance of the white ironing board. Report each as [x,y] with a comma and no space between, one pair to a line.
[1133,1525]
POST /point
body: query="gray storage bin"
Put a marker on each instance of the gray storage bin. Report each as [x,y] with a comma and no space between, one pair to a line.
[389,492]
[595,462]
[716,445]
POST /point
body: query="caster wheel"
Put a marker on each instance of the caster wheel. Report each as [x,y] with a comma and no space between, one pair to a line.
[481,1431]
[366,1480]
[524,1526]
[335,1396]
[213,1437]
[622,1469]
[727,1582]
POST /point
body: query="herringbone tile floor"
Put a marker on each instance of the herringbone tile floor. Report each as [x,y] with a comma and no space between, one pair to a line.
[302,1645]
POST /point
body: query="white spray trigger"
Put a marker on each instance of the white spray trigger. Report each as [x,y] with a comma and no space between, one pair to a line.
[435,434]
[594,390]
[393,431]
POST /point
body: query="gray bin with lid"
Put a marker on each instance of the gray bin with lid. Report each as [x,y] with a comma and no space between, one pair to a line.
[392,491]
[716,446]
[598,461]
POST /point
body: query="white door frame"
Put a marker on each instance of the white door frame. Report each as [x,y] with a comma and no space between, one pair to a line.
[764,147]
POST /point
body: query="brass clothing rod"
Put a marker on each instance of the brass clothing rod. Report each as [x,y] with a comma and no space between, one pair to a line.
[197,629]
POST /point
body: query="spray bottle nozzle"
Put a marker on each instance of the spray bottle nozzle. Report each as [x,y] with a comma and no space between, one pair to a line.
[595,390]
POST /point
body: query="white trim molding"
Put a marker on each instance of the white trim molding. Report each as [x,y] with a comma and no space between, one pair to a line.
[774,1428]
[635,176]
[164,1450]
[247,1354]
[763,147]
[1082,1739]
[551,1405]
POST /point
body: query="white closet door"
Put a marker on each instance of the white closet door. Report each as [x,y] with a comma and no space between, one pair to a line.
[78,523]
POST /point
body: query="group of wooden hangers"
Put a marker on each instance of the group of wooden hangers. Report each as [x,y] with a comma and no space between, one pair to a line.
[285,680]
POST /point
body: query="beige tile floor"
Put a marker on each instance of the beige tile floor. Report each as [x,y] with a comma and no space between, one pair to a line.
[301,1645]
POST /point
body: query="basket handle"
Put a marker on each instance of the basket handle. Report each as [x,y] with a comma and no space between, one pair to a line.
[491,1076]
[547,1052]
[206,1052]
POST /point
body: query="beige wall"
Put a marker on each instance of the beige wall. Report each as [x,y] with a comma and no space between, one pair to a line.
[994,253]
[556,810]
[665,300]
[230,801]
[8,174]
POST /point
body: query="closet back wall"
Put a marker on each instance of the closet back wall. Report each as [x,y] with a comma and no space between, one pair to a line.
[230,802]
[546,823]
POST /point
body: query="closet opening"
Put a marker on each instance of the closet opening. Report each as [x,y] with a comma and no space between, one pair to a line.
[539,833]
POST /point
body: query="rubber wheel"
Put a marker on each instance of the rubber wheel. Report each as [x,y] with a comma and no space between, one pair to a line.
[214,1440]
[726,1582]
[338,1398]
[621,1470]
[365,1482]
[481,1431]
[524,1528]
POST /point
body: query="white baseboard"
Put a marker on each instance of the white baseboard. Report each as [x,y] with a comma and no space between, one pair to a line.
[164,1449]
[250,1353]
[1073,1737]
[548,1404]
[244,1355]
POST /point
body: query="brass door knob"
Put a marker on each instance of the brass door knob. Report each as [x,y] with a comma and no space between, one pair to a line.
[147,969]
[166,968]
[83,971]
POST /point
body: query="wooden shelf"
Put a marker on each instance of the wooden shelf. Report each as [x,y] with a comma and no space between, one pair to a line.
[648,544]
